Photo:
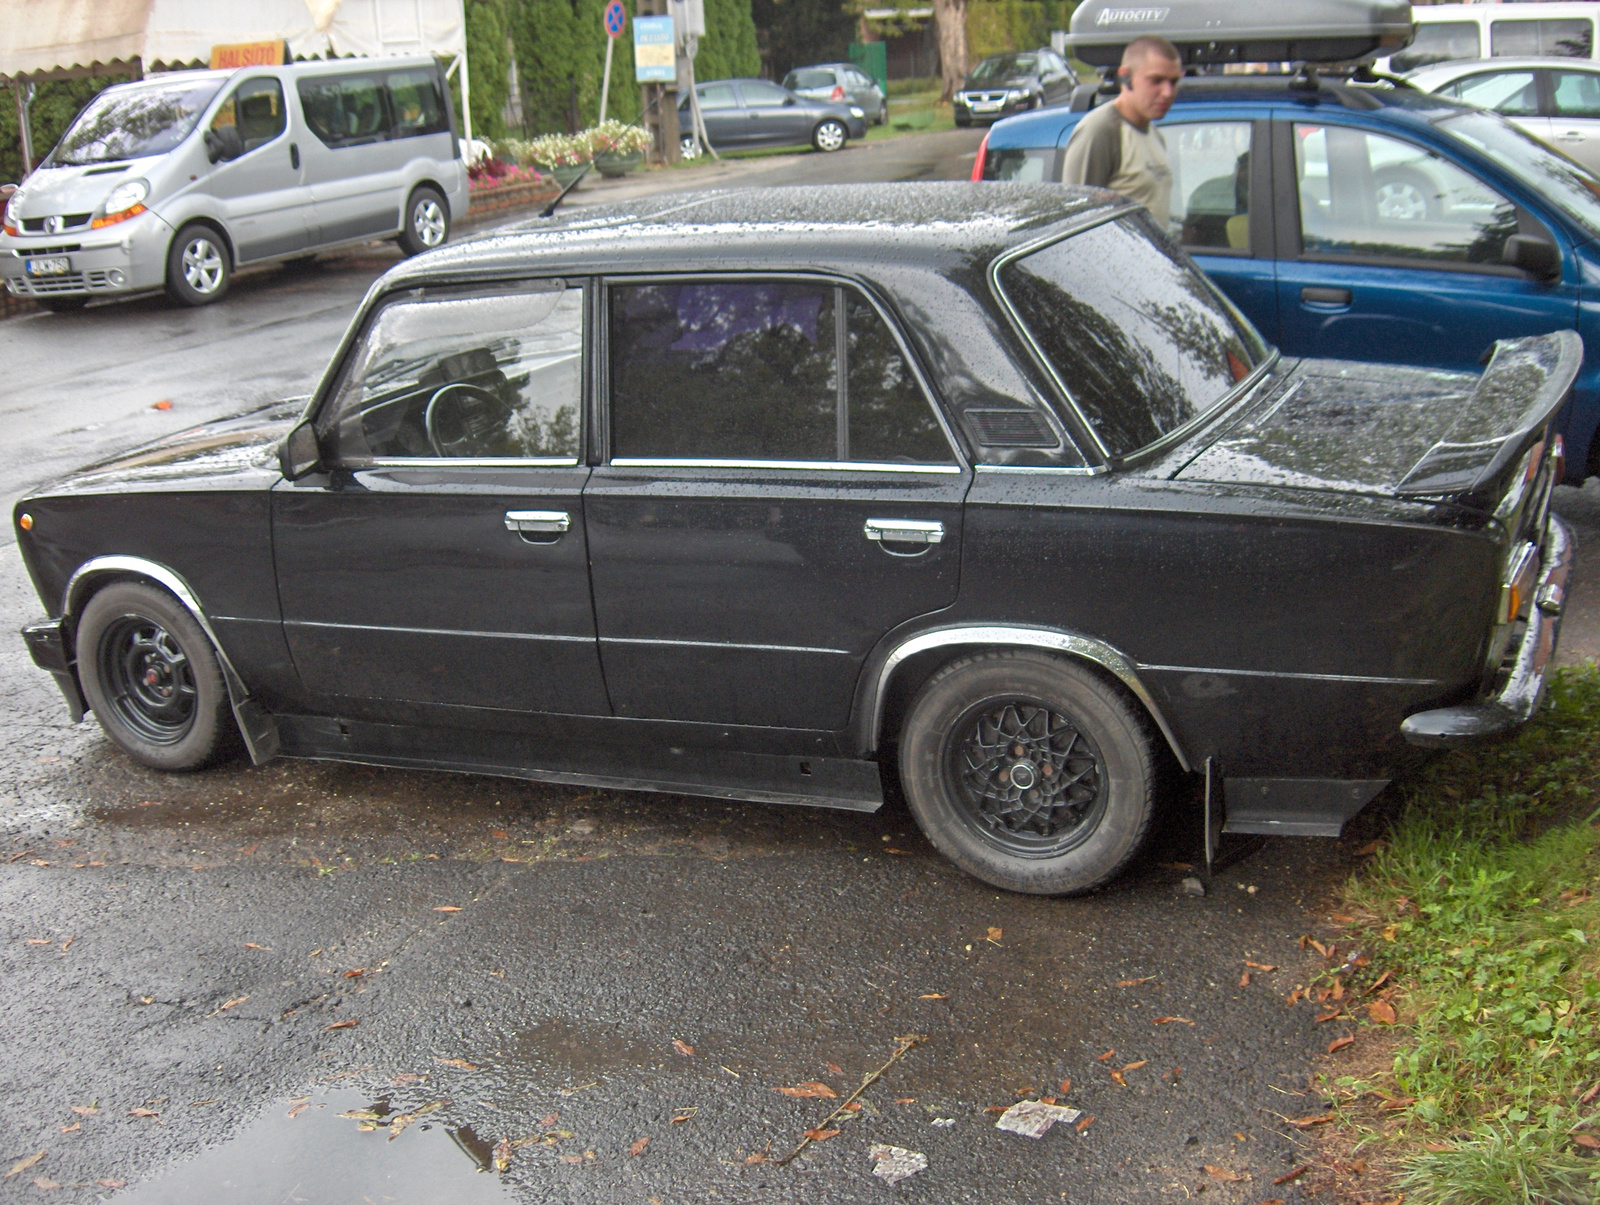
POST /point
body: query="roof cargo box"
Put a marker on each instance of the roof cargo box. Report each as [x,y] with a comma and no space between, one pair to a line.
[1224,31]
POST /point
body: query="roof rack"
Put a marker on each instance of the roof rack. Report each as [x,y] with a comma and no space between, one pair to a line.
[1213,31]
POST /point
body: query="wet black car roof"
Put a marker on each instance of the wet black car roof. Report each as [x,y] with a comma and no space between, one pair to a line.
[830,226]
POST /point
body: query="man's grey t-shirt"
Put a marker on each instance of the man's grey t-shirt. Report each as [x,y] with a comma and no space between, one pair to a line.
[1109,151]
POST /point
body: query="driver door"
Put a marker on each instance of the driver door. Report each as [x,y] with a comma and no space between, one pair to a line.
[443,559]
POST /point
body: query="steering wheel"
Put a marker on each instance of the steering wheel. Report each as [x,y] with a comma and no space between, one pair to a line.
[461,418]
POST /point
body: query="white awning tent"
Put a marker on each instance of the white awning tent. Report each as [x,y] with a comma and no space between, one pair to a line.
[60,39]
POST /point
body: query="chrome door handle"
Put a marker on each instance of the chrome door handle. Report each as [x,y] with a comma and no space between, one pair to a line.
[547,521]
[904,531]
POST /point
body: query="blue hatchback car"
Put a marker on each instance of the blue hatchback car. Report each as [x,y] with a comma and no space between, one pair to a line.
[1369,222]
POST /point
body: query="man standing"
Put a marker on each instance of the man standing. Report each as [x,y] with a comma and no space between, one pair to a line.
[1115,146]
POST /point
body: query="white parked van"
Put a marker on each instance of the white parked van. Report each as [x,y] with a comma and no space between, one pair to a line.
[1481,31]
[174,181]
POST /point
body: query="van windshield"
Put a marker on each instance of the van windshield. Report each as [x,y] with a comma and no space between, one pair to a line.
[131,123]
[1565,182]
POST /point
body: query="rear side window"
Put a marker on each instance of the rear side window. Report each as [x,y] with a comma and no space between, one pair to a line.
[1575,93]
[416,103]
[750,370]
[1513,93]
[1571,38]
[1438,42]
[1031,165]
[346,110]
[1142,349]
[810,78]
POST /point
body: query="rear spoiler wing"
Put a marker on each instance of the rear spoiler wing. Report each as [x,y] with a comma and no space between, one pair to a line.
[1526,382]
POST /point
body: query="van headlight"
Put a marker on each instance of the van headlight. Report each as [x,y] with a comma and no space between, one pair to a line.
[126,201]
[13,219]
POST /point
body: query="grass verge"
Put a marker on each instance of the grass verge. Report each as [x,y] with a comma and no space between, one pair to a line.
[1482,906]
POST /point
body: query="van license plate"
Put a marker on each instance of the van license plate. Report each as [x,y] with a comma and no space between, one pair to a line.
[55,265]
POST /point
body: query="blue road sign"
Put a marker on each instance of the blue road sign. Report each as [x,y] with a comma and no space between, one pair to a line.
[616,18]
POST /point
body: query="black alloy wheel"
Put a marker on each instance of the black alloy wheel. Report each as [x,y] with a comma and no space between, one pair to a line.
[1029,771]
[152,678]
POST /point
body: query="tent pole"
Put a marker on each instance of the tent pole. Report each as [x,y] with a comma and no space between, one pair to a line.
[466,92]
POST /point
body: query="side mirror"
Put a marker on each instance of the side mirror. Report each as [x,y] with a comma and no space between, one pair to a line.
[1538,257]
[298,454]
[224,143]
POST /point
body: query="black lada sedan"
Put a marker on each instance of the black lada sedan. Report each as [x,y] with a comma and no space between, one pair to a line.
[777,495]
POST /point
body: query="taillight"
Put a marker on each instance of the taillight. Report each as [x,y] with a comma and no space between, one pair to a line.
[983,153]
[837,93]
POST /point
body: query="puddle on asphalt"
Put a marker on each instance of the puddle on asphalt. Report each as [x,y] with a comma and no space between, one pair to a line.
[570,1056]
[320,1158]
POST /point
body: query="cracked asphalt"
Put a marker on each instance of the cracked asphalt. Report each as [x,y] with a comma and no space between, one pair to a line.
[203,973]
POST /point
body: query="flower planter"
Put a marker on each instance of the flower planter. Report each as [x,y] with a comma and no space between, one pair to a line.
[616,164]
[566,174]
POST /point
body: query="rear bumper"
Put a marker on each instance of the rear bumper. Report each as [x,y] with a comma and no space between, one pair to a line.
[1504,712]
[47,643]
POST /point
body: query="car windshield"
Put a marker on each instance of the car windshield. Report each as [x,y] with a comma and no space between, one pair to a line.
[1002,66]
[1141,351]
[132,123]
[1567,183]
[810,78]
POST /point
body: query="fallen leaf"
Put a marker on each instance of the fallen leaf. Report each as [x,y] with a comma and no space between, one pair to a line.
[355,974]
[1295,996]
[1340,1043]
[1389,932]
[811,1090]
[68,942]
[108,1182]
[1295,1174]
[227,1004]
[144,1113]
[1084,1124]
[73,1128]
[1223,1174]
[84,1110]
[163,404]
[250,849]
[463,1065]
[1343,920]
[638,1146]
[994,934]
[682,1115]
[1136,1066]
[502,1155]
[400,1122]
[549,1119]
[757,1157]
[23,1165]
[572,1158]
[500,834]
[1329,1016]
[933,996]
[1590,1094]
[41,941]
[1438,1148]
[1117,1077]
[1259,966]
[1066,1086]
[1382,1012]
[835,1068]
[1170,1020]
[361,1115]
[1587,1141]
[905,1100]
[1395,1103]
[299,1109]
[1371,847]
[250,945]
[1244,979]
[406,1078]
[45,1182]
[1271,1201]
[821,1135]
[1305,1123]
[448,908]
[682,1048]
[1100,1058]
[1134,982]
[353,1021]
[1317,946]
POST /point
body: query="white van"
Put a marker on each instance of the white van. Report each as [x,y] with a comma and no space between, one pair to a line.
[174,181]
[1481,31]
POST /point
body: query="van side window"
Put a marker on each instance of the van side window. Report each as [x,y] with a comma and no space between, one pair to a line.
[346,110]
[256,110]
[418,108]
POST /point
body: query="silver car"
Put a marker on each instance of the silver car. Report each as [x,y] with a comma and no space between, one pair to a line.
[174,181]
[841,83]
[1557,100]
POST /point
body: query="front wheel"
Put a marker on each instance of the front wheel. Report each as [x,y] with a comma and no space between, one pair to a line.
[427,223]
[829,135]
[152,678]
[689,148]
[1028,772]
[198,267]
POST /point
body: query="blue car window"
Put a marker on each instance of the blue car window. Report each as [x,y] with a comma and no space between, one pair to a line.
[1031,165]
[1548,173]
[1210,163]
[1513,93]
[1366,195]
[1575,93]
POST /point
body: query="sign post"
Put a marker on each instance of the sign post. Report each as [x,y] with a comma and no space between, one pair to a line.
[616,19]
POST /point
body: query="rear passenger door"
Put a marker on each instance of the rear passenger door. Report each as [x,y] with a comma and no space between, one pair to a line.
[1574,121]
[719,109]
[777,493]
[352,163]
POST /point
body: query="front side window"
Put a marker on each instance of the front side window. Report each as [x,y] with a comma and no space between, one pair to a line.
[1142,348]
[1210,184]
[1571,38]
[418,107]
[493,376]
[255,110]
[131,123]
[750,370]
[1569,185]
[1367,195]
[346,110]
[1438,42]
[1575,93]
[718,96]
[1513,93]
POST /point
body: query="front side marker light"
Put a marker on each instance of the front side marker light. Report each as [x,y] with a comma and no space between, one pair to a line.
[25,521]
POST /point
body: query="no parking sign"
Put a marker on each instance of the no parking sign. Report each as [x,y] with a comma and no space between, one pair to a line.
[616,18]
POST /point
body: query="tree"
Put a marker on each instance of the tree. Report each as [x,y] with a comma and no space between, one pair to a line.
[729,49]
[55,104]
[488,65]
[797,32]
[950,21]
[560,47]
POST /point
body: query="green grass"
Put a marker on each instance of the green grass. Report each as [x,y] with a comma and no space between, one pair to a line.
[1483,904]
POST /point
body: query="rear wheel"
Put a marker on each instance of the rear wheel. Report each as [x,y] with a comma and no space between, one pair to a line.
[152,678]
[689,147]
[198,266]
[427,223]
[1028,772]
[829,135]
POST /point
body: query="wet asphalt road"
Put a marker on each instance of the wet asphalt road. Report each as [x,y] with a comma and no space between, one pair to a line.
[187,961]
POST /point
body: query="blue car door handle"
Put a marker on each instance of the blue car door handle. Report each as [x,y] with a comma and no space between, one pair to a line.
[1321,295]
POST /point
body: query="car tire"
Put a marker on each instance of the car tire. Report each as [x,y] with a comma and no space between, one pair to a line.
[199,267]
[1402,195]
[427,223]
[64,305]
[829,135]
[689,149]
[963,123]
[1062,817]
[151,677]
